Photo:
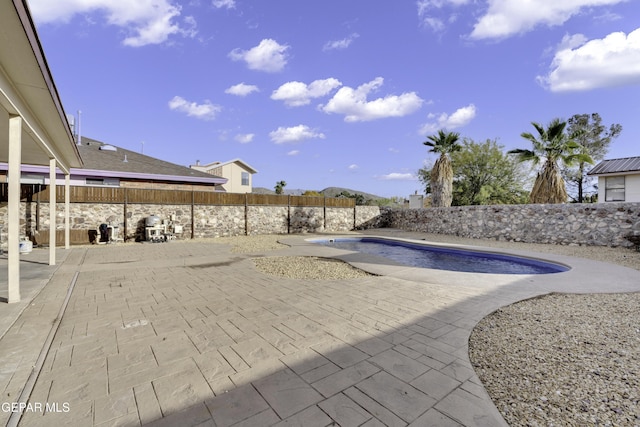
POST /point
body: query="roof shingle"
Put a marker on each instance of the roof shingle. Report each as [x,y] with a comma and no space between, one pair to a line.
[96,155]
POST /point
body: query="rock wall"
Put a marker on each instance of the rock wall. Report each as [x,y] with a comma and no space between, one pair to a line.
[599,224]
[267,219]
[196,221]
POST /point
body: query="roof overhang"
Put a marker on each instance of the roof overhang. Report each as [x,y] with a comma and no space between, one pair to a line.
[615,173]
[240,162]
[27,90]
[624,166]
[94,173]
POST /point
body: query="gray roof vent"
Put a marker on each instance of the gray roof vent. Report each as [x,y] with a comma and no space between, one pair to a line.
[108,148]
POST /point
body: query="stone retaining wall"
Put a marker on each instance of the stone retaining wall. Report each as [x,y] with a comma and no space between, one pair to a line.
[197,221]
[599,224]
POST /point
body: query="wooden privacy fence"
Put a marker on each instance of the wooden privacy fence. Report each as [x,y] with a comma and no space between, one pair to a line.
[33,192]
[127,208]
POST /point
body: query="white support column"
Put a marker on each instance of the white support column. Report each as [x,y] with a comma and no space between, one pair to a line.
[13,210]
[52,212]
[67,199]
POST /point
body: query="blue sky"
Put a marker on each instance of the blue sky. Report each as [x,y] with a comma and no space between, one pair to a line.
[338,93]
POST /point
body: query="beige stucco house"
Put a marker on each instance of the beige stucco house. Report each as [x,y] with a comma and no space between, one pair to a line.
[239,174]
[618,180]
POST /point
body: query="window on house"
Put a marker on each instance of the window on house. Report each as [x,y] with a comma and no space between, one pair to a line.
[99,182]
[614,189]
[245,178]
[95,181]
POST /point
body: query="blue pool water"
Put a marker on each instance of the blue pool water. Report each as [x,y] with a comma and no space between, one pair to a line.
[418,255]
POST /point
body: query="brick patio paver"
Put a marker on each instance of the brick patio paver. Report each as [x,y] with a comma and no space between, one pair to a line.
[188,333]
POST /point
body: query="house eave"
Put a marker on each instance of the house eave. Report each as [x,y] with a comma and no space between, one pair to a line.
[634,172]
[126,175]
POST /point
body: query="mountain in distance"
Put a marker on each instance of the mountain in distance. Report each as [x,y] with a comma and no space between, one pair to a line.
[327,192]
[334,191]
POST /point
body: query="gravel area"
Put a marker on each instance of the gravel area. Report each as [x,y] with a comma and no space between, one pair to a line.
[562,359]
[556,360]
[250,244]
[298,267]
[308,268]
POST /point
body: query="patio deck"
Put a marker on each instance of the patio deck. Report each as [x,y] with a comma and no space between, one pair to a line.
[189,333]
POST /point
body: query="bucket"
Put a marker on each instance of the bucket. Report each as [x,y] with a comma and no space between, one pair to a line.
[26,246]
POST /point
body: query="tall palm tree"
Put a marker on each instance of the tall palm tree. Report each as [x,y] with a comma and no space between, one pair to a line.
[441,177]
[550,145]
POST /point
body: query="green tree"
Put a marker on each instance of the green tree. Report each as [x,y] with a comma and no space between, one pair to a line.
[441,176]
[483,175]
[279,188]
[594,139]
[551,145]
[359,198]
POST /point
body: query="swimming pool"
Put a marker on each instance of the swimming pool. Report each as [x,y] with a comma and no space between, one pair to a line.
[443,258]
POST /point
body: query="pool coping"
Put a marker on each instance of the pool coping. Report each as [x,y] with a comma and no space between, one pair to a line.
[584,276]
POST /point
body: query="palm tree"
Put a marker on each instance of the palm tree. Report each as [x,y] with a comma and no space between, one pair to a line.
[550,145]
[280,187]
[441,176]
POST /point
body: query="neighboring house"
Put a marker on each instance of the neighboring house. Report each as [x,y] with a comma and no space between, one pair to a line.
[238,173]
[618,180]
[111,166]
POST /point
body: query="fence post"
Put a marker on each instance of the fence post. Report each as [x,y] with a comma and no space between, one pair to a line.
[354,214]
[124,236]
[193,215]
[289,214]
[324,212]
[246,214]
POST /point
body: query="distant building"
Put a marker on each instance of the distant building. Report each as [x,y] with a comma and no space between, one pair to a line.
[239,174]
[618,180]
[106,165]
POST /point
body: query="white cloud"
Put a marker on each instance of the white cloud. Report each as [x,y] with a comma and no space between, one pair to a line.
[244,138]
[435,24]
[269,56]
[353,167]
[295,94]
[581,65]
[340,44]
[294,134]
[427,10]
[146,21]
[508,17]
[398,176]
[354,105]
[293,153]
[242,89]
[459,118]
[229,4]
[205,111]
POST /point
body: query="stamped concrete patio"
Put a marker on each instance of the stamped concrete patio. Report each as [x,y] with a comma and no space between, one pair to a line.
[190,333]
